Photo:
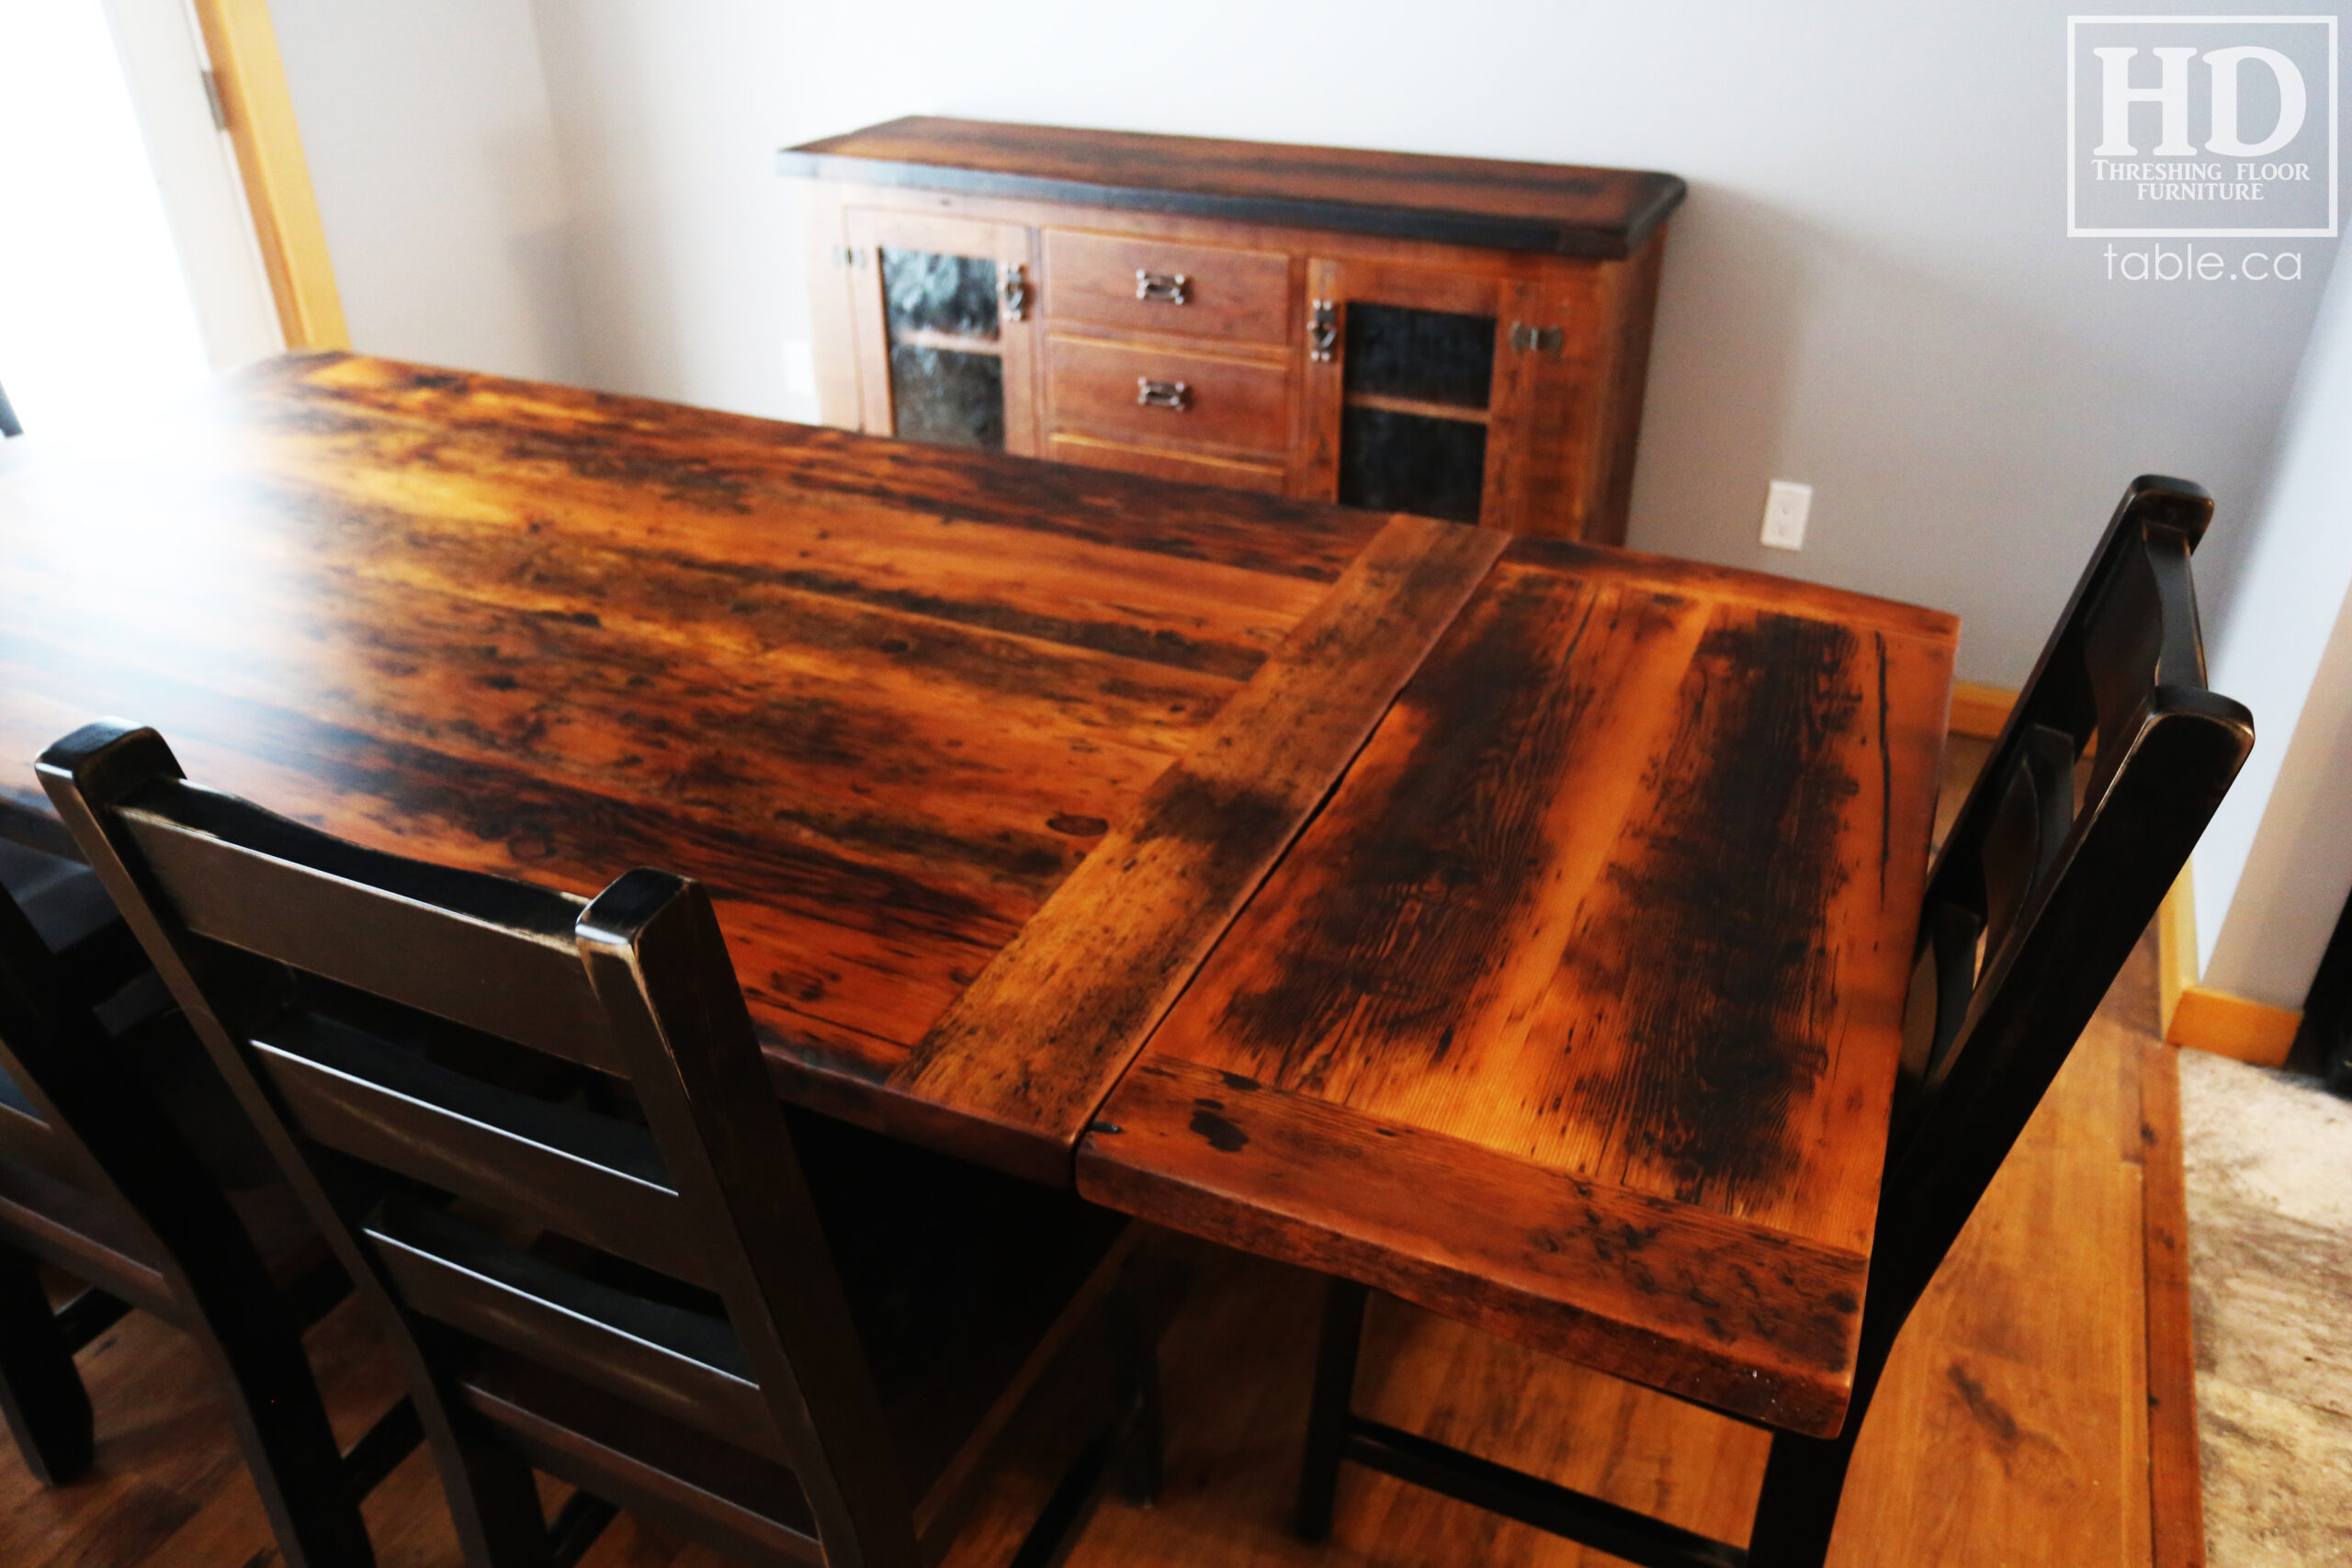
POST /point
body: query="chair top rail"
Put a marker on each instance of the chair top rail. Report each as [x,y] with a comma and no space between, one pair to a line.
[481,951]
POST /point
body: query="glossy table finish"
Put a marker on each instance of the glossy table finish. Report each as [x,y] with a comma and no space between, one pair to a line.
[884,698]
[1572,1010]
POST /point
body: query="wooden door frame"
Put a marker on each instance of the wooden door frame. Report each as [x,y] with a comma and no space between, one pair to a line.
[250,79]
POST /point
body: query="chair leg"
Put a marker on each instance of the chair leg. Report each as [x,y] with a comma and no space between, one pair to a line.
[493,1499]
[47,1408]
[1144,1458]
[495,1502]
[275,1408]
[1797,1511]
[1326,1415]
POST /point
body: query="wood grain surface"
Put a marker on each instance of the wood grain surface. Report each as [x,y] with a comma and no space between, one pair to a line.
[1489,202]
[1031,1049]
[884,698]
[1620,893]
[2175,1492]
[1613,910]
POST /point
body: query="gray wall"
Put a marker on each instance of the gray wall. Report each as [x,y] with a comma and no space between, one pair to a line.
[2273,869]
[426,128]
[1870,289]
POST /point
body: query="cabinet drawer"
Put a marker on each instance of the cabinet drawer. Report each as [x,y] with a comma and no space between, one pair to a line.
[1241,295]
[1230,404]
[1193,467]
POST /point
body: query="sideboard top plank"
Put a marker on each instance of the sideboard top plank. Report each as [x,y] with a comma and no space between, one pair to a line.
[1487,202]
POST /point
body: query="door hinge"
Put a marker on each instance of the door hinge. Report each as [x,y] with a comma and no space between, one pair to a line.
[845,256]
[1536,340]
[1322,331]
[214,100]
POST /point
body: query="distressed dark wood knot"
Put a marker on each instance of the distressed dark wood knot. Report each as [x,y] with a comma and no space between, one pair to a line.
[1222,1135]
[1078,827]
[1241,1081]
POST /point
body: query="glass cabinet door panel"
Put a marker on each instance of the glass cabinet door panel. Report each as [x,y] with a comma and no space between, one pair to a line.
[1391,461]
[924,292]
[1415,389]
[1429,357]
[946,364]
[947,398]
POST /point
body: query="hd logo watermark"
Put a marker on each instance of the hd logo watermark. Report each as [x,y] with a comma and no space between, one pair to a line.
[2201,127]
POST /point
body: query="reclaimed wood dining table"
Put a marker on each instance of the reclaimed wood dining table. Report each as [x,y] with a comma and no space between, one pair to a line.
[1519,926]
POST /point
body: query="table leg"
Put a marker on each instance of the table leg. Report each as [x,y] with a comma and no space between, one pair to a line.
[1327,1418]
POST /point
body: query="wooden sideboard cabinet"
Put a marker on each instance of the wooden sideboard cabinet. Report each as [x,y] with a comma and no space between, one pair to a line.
[1462,338]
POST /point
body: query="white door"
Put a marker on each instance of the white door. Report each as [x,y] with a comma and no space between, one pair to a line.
[127,266]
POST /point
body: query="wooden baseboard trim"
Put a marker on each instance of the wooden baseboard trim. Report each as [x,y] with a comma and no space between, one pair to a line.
[1979,712]
[2176,1491]
[2175,947]
[2208,1019]
[2201,1017]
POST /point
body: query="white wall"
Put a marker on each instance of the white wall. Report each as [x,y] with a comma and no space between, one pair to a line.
[2274,866]
[433,153]
[1869,288]
[669,115]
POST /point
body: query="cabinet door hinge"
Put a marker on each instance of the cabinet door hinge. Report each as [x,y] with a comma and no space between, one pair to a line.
[214,100]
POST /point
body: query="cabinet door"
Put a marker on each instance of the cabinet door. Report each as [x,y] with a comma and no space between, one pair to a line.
[945,323]
[1415,398]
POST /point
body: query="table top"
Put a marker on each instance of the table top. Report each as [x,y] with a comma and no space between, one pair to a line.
[1490,203]
[1575,1011]
[1561,991]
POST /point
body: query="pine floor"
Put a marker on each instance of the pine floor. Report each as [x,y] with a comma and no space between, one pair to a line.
[2016,1426]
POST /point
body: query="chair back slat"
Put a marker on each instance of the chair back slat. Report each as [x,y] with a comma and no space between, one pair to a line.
[2029,826]
[595,1178]
[670,1359]
[2114,759]
[33,1142]
[413,1042]
[480,950]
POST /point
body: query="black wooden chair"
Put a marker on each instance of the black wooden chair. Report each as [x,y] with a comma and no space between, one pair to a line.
[2113,761]
[125,1162]
[540,1134]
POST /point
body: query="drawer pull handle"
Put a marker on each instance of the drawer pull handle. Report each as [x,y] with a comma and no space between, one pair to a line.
[1167,287]
[1322,331]
[1015,290]
[1154,394]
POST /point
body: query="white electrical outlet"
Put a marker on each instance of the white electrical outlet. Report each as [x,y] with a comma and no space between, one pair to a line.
[1785,506]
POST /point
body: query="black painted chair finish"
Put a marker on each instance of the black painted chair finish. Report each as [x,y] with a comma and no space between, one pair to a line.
[124,1162]
[2111,763]
[541,1135]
